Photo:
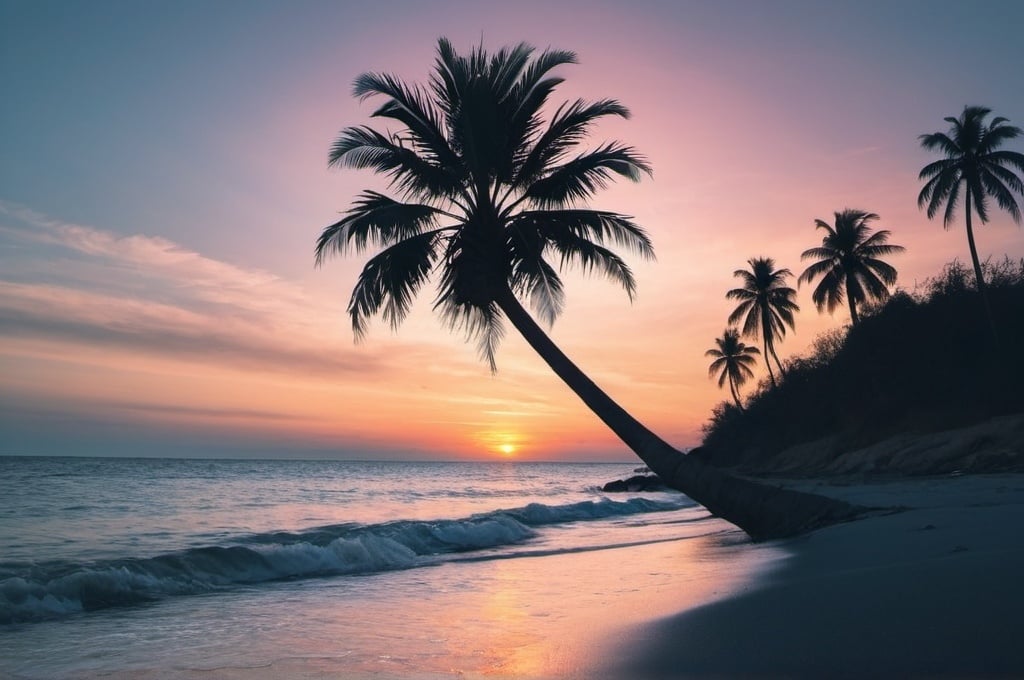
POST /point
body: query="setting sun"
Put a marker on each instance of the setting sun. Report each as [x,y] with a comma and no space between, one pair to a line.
[505,443]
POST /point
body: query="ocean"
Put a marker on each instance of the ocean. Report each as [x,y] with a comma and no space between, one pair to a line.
[148,568]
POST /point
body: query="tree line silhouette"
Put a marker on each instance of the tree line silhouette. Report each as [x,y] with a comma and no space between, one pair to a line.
[921,362]
[849,261]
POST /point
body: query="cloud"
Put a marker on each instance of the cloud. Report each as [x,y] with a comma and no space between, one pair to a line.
[147,295]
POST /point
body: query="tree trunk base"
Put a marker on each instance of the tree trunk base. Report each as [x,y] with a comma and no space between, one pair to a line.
[764,512]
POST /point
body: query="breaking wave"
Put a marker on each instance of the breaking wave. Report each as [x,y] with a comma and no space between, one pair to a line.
[33,592]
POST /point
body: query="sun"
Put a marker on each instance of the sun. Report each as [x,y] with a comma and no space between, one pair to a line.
[500,442]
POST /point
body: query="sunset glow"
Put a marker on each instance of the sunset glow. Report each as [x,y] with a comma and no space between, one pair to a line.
[158,294]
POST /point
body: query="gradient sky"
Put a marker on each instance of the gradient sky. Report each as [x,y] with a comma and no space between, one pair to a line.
[163,178]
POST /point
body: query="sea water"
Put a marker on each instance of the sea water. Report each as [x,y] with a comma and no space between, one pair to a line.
[120,567]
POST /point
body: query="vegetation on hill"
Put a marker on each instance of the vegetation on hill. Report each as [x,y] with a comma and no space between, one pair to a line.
[922,361]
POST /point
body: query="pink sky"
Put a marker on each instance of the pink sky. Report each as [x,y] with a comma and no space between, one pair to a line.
[157,289]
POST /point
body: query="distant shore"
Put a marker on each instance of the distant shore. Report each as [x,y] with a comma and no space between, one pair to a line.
[934,589]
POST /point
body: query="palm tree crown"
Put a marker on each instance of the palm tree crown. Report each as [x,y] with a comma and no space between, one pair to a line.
[733,360]
[973,164]
[848,263]
[488,191]
[766,305]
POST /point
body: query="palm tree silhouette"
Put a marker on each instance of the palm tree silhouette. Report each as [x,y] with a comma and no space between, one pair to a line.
[488,190]
[974,161]
[766,305]
[848,263]
[732,361]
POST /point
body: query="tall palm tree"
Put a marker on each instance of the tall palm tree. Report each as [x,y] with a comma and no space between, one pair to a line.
[848,263]
[487,190]
[766,305]
[732,361]
[972,160]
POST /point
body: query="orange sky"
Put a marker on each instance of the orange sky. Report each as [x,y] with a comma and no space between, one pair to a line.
[164,179]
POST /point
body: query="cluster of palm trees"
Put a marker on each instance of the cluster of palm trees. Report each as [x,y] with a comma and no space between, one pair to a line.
[848,261]
[489,204]
[850,267]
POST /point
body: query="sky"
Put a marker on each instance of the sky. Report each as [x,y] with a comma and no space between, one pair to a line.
[163,178]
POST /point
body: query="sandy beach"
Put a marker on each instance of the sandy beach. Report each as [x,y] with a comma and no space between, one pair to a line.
[932,590]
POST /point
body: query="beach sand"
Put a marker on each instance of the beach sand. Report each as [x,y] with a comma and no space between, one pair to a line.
[935,590]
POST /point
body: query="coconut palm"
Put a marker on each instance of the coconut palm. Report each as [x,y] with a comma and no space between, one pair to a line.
[488,190]
[973,163]
[732,362]
[766,305]
[848,263]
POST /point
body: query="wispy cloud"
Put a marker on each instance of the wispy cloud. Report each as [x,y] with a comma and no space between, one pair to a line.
[86,286]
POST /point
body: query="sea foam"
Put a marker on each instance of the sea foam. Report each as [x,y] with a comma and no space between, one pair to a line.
[53,590]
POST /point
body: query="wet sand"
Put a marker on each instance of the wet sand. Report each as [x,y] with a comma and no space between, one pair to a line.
[936,590]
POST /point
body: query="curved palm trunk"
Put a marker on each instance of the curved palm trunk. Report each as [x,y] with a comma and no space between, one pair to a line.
[768,361]
[979,277]
[854,319]
[735,392]
[769,346]
[782,372]
[769,354]
[762,511]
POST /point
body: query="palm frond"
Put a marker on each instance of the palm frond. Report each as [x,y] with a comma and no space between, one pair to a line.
[828,294]
[390,280]
[819,252]
[363,147]
[482,324]
[591,258]
[530,94]
[584,175]
[596,225]
[872,285]
[568,127]
[374,220]
[817,269]
[939,167]
[999,159]
[822,224]
[883,270]
[411,107]
[997,189]
[996,135]
[939,141]
[534,278]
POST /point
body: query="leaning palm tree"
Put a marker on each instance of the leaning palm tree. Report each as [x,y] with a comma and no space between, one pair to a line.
[732,362]
[766,305]
[489,189]
[848,263]
[973,161]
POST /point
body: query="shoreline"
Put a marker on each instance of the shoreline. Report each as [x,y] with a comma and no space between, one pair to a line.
[932,590]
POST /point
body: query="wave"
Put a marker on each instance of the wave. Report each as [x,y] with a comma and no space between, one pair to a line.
[33,592]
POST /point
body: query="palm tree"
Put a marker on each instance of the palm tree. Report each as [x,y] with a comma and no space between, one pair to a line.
[766,305]
[848,264]
[972,160]
[488,189]
[733,360]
